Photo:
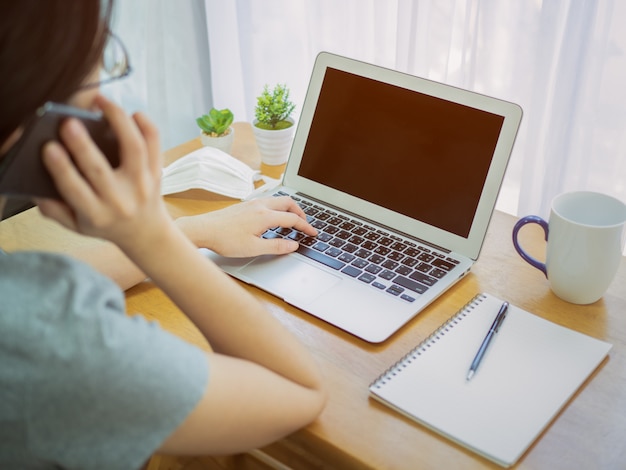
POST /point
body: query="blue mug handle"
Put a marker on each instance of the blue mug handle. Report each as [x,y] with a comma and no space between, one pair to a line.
[530,219]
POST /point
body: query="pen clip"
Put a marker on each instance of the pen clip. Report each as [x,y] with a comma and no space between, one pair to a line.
[501,315]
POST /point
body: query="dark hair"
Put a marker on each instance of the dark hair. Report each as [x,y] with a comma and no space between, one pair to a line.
[47,49]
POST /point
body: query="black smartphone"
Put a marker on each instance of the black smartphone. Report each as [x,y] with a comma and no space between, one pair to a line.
[22,172]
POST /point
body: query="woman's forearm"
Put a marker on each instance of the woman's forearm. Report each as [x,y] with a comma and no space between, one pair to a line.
[231,319]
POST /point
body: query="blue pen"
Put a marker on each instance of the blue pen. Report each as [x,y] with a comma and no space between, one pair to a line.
[485,344]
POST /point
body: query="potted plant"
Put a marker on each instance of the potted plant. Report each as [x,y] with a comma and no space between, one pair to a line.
[216,129]
[273,125]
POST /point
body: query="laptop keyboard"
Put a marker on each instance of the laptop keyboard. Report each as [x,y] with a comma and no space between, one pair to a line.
[374,256]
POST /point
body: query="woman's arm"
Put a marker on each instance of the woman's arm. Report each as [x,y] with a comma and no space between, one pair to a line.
[263,383]
[233,231]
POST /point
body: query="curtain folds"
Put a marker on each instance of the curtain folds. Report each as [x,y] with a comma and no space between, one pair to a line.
[563,61]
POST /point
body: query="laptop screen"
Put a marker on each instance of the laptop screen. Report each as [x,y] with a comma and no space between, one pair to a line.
[415,154]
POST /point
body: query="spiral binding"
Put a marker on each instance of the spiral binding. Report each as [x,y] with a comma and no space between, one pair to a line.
[428,342]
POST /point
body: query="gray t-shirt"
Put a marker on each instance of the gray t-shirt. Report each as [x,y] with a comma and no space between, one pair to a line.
[83,385]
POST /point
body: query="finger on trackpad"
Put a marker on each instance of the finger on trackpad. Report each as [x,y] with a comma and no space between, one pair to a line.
[294,280]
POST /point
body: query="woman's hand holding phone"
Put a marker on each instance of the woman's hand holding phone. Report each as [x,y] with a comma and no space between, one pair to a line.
[120,204]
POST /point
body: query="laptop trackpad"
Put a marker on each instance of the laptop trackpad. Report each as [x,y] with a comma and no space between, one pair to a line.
[294,280]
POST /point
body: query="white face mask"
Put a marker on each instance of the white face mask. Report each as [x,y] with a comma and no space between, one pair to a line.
[213,170]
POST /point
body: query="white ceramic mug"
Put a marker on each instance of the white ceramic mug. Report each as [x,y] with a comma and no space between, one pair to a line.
[585,235]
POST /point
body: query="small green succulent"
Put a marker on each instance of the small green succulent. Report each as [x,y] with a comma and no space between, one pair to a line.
[216,123]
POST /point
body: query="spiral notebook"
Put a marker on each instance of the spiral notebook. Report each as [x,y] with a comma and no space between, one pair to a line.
[531,370]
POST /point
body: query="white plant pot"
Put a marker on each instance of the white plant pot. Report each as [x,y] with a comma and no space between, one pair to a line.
[224,143]
[274,146]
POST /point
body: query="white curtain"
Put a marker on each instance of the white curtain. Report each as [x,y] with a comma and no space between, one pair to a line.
[563,61]
[167,44]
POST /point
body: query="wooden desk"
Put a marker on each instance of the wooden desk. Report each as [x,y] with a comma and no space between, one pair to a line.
[357,432]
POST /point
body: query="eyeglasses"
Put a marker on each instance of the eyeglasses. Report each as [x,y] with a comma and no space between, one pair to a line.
[114,65]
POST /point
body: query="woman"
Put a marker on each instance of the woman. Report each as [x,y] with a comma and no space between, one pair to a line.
[82,385]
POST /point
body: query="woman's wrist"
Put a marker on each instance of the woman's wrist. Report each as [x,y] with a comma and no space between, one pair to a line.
[198,233]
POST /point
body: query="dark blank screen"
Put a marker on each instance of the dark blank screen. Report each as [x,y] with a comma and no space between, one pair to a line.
[421,156]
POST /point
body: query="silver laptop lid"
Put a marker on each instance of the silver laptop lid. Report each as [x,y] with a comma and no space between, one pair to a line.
[421,157]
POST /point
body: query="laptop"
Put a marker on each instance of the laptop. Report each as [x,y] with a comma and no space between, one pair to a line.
[400,176]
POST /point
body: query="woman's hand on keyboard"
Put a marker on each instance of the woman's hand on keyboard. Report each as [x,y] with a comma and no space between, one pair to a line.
[236,230]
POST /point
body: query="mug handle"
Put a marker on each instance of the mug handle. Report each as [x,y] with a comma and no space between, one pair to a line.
[530,219]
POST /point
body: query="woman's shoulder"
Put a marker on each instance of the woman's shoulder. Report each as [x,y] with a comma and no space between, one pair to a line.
[42,262]
[75,358]
[50,291]
[45,272]
[58,311]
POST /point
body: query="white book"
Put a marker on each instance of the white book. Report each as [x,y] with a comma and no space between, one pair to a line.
[530,371]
